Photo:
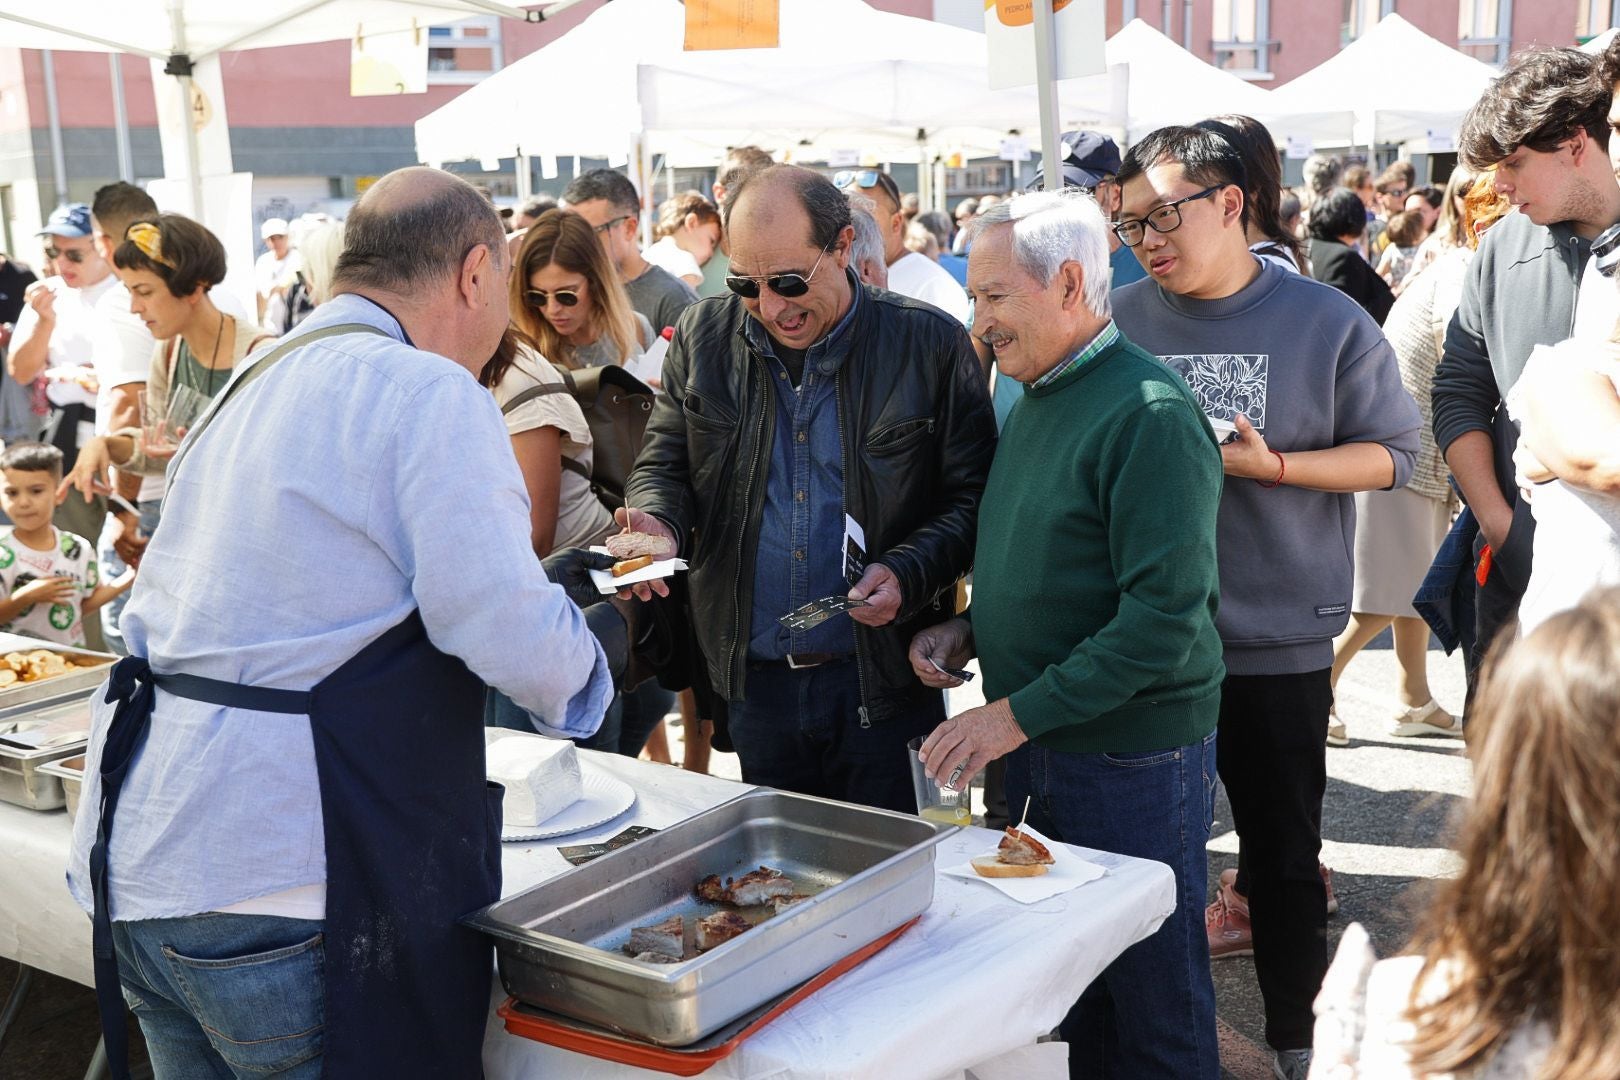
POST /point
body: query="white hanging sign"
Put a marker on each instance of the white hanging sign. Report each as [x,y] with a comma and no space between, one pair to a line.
[1078,34]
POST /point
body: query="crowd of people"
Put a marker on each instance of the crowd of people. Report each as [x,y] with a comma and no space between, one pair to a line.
[1259,426]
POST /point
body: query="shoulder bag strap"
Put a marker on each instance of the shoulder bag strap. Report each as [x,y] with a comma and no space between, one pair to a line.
[263,365]
[543,391]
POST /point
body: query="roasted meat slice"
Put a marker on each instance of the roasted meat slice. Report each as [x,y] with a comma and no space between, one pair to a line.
[781,903]
[630,545]
[665,939]
[655,958]
[1021,849]
[711,889]
[759,887]
[719,928]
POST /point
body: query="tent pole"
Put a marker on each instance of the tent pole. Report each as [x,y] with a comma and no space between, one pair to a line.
[177,35]
[1046,92]
[126,159]
[54,115]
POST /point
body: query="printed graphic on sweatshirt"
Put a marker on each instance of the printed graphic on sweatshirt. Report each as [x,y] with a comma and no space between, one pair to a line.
[1226,383]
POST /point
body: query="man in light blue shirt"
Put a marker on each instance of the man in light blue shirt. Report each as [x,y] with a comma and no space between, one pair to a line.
[344,562]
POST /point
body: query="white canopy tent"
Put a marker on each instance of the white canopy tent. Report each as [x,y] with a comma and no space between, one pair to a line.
[844,77]
[182,37]
[1404,84]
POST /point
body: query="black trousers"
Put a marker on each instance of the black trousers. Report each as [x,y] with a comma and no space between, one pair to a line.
[1271,753]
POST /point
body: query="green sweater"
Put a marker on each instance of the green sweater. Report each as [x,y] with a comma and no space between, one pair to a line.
[1095,580]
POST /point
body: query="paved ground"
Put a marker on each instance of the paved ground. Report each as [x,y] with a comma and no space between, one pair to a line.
[1386,819]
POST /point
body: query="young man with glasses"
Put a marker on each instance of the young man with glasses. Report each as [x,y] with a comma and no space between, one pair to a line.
[1315,395]
[817,438]
[607,199]
[911,273]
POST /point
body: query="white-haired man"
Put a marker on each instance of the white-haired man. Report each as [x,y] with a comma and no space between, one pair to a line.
[1102,665]
[866,253]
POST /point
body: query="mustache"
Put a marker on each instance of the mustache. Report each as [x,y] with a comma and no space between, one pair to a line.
[995,337]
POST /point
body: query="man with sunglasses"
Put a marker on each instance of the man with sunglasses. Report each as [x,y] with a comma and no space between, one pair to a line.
[607,199]
[817,439]
[911,273]
[1314,393]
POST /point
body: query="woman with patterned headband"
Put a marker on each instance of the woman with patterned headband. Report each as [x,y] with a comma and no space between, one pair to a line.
[169,264]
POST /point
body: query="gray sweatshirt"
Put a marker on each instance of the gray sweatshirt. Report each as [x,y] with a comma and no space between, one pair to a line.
[1311,370]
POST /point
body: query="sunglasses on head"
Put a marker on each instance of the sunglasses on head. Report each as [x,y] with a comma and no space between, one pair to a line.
[788,286]
[868,178]
[72,255]
[539,297]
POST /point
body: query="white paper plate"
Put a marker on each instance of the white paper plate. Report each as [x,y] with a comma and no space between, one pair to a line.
[605,798]
[607,584]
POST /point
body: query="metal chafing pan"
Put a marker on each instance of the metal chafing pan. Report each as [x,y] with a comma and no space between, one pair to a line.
[559,944]
[82,681]
[22,778]
[70,771]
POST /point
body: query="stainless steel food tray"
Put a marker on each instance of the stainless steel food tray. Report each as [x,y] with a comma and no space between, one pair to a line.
[81,682]
[70,772]
[559,943]
[22,780]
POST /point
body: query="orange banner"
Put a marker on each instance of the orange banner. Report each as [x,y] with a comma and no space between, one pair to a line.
[732,24]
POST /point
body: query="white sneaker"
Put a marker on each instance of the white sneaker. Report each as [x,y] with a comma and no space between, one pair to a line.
[1424,720]
[1336,735]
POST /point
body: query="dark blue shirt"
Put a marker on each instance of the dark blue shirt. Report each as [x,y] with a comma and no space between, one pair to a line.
[801,534]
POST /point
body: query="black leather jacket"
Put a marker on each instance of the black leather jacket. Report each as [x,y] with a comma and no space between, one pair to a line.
[917,435]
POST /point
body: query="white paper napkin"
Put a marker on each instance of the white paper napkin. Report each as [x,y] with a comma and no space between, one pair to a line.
[1068,871]
[606,583]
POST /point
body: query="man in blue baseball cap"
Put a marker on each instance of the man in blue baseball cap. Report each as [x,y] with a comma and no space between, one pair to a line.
[55,338]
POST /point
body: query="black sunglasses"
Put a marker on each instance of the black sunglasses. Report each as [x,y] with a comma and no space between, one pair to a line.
[867,178]
[538,297]
[606,225]
[72,255]
[787,285]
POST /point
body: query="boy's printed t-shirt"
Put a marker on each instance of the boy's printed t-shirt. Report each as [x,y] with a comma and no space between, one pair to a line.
[71,557]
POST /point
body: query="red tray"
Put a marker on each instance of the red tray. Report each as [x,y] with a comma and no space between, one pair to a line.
[553,1030]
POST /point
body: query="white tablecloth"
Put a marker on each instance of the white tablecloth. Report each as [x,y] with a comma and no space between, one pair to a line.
[972,985]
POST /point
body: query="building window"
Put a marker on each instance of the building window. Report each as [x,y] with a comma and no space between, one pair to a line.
[464,52]
[1241,33]
[1360,16]
[1485,29]
[1594,17]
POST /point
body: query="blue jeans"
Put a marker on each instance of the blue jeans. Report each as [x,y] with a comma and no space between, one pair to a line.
[226,997]
[112,566]
[799,730]
[1151,1013]
[629,720]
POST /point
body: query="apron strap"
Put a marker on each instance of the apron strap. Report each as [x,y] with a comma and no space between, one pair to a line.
[133,687]
[260,367]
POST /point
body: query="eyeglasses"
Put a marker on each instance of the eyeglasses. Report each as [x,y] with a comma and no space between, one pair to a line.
[1165,219]
[1396,192]
[606,225]
[72,255]
[539,297]
[866,178]
[787,286]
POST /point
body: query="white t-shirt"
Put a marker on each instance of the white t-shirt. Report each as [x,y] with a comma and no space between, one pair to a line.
[669,255]
[582,519]
[70,557]
[268,272]
[1597,304]
[1577,541]
[123,355]
[921,278]
[73,339]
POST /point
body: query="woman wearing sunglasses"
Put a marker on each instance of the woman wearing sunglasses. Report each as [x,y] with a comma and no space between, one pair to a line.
[567,308]
[568,300]
[688,236]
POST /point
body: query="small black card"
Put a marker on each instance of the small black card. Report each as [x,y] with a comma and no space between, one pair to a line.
[580,854]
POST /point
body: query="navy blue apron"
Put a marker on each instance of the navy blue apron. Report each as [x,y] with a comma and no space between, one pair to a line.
[412,831]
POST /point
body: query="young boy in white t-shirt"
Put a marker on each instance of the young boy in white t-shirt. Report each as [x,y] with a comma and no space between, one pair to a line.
[48,576]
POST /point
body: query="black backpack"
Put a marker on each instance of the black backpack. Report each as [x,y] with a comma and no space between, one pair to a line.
[616,405]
